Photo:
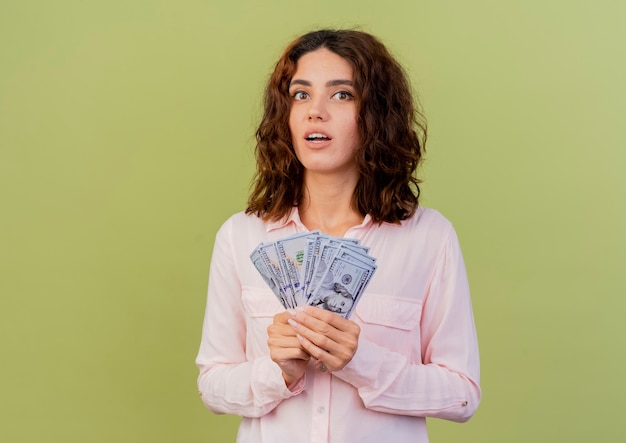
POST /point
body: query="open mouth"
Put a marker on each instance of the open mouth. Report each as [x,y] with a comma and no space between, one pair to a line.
[317,137]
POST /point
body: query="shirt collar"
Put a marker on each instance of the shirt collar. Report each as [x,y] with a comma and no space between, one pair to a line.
[294,218]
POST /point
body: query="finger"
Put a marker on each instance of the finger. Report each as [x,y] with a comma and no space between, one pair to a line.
[334,347]
[281,331]
[331,361]
[281,318]
[286,354]
[336,354]
[280,336]
[326,323]
[319,339]
[328,317]
[283,342]
[280,326]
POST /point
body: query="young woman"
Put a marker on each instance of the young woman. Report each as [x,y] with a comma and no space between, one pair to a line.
[337,149]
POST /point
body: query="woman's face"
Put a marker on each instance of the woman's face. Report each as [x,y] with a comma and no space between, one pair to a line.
[323,116]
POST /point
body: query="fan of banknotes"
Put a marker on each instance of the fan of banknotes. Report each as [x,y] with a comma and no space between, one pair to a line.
[316,269]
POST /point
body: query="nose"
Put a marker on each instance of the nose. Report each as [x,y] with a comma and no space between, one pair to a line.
[317,110]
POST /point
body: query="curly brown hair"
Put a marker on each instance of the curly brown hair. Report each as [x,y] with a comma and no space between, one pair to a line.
[393,132]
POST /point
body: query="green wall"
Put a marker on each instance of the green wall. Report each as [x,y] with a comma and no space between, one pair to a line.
[126,137]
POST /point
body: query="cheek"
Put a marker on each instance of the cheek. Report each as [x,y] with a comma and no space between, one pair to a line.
[351,127]
[355,137]
[293,126]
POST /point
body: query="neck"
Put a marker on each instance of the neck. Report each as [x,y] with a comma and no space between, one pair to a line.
[327,204]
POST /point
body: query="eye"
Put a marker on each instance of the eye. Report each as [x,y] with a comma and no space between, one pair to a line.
[343,95]
[300,95]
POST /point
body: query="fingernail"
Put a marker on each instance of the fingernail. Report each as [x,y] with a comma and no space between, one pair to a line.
[292,312]
[300,308]
[292,323]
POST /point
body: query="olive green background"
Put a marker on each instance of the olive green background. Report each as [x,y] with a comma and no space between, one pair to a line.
[126,138]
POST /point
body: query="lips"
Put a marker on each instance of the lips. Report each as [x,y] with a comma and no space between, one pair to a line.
[317,137]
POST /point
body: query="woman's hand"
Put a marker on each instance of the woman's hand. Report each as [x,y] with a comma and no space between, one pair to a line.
[325,336]
[286,350]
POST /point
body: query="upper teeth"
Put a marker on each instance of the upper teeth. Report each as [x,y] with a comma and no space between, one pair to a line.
[317,135]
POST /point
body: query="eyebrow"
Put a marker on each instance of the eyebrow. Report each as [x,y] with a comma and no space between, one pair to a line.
[328,83]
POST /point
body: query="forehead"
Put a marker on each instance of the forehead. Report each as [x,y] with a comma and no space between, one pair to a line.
[323,64]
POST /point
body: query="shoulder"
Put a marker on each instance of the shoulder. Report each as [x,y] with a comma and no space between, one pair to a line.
[428,220]
[241,223]
[427,231]
[239,226]
[245,231]
[241,220]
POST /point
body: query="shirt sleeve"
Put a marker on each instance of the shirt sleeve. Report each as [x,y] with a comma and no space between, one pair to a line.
[228,382]
[445,383]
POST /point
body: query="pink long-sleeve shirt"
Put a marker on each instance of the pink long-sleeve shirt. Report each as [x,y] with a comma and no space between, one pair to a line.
[417,354]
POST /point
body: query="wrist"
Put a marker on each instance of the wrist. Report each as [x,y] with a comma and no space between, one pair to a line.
[291,382]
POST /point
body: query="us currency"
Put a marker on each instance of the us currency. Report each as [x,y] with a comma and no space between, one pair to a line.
[270,257]
[259,264]
[291,252]
[340,285]
[356,255]
[315,269]
[312,254]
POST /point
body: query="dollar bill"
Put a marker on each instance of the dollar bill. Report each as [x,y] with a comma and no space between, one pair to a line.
[271,260]
[340,284]
[316,269]
[268,277]
[291,252]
